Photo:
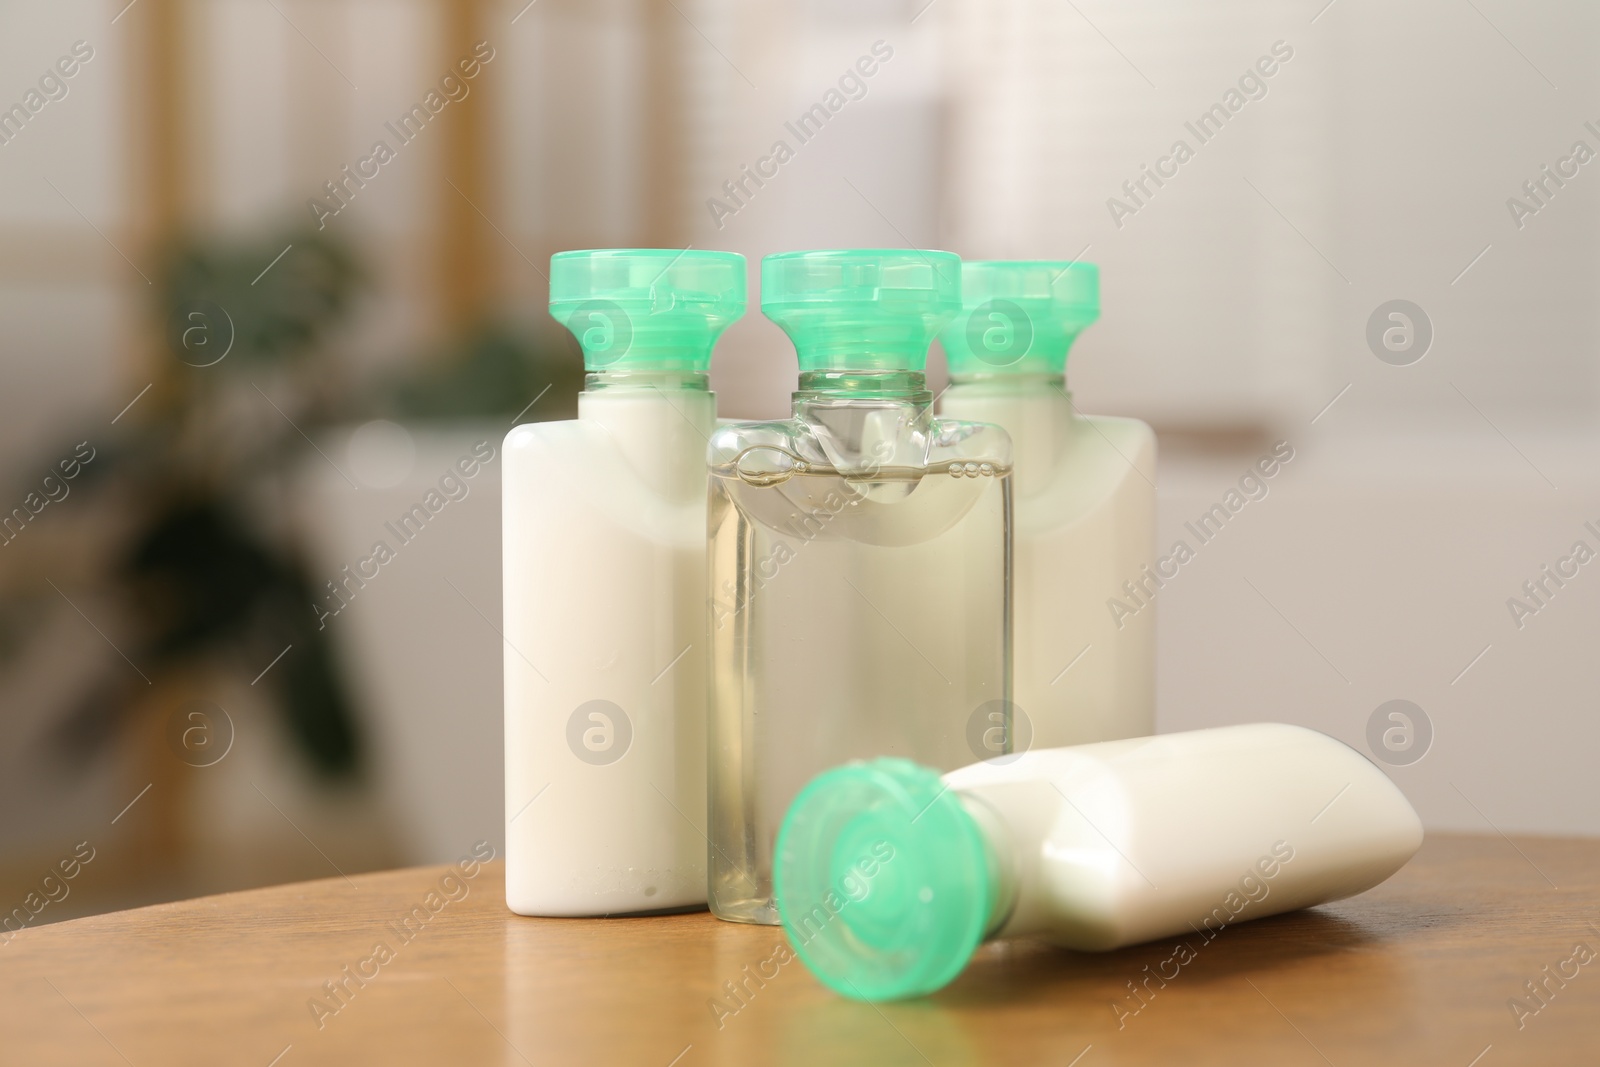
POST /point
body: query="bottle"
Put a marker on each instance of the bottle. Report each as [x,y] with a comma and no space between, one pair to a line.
[1085,499]
[605,577]
[889,876]
[859,558]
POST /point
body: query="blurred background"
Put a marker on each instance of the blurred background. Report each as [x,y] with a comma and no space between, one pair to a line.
[240,339]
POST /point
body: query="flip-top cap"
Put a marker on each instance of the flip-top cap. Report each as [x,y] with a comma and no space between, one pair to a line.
[647,308]
[861,309]
[884,881]
[1020,316]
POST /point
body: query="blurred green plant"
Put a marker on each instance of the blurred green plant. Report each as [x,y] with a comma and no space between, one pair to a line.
[201,577]
[206,571]
[494,370]
[281,300]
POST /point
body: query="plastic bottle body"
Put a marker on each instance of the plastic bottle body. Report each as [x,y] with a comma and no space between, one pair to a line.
[1084,497]
[1111,844]
[605,652]
[889,875]
[859,577]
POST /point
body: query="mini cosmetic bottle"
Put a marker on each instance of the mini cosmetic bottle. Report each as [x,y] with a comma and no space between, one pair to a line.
[605,580]
[889,876]
[860,555]
[1085,500]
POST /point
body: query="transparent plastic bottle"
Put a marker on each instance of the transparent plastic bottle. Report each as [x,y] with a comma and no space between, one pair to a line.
[860,556]
[1085,500]
[890,876]
[605,578]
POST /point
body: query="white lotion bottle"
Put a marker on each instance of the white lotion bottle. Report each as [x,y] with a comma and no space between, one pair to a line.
[889,876]
[1084,500]
[605,576]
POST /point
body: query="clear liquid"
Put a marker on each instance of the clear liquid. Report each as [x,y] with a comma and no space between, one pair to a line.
[852,617]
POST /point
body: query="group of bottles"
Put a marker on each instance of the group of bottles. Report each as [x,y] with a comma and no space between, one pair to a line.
[875,572]
[703,617]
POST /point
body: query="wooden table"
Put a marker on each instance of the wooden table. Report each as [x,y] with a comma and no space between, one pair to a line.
[1418,971]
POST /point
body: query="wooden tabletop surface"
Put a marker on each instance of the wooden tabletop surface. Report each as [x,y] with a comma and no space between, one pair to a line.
[1425,969]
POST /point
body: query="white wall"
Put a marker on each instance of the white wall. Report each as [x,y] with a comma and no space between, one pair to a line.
[1376,166]
[1378,568]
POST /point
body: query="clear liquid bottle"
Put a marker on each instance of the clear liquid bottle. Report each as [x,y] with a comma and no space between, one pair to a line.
[860,555]
[1085,500]
[605,578]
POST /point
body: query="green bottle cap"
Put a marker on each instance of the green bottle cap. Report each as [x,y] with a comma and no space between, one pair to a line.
[862,309]
[884,881]
[1020,316]
[647,308]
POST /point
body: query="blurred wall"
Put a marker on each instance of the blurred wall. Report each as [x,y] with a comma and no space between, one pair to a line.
[1376,164]
[1377,161]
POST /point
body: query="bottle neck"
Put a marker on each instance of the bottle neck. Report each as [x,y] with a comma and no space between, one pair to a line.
[659,422]
[1002,863]
[1035,409]
[904,385]
[999,383]
[636,379]
[867,420]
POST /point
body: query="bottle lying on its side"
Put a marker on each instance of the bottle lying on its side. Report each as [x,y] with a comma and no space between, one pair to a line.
[889,876]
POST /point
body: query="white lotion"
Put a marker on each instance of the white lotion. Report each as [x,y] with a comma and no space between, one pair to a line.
[605,577]
[889,877]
